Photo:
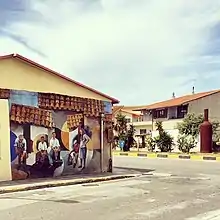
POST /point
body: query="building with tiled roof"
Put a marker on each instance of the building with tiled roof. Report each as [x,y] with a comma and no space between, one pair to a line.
[172,111]
[37,102]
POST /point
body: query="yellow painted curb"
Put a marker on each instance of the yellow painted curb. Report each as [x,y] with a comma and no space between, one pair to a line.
[196,157]
[133,154]
[173,156]
[116,153]
[152,155]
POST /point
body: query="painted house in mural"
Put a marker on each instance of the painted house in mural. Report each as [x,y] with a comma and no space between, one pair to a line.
[36,101]
[172,111]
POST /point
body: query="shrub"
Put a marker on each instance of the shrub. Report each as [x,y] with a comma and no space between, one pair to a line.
[185,143]
[151,144]
[190,125]
[164,140]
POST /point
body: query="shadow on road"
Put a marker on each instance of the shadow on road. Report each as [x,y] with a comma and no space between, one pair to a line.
[132,169]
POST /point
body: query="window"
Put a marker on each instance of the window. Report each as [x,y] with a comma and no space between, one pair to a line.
[182,111]
[143,131]
[161,113]
[128,120]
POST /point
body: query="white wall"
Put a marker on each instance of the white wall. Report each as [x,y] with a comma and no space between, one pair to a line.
[5,158]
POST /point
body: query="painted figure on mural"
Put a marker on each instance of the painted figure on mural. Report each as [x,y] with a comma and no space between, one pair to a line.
[42,148]
[47,158]
[79,149]
[42,145]
[83,140]
[42,164]
[54,151]
[21,149]
[74,153]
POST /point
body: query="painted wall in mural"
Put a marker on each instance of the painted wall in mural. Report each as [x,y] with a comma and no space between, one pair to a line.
[55,141]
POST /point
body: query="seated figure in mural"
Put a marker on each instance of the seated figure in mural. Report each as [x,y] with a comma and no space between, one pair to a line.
[74,153]
[42,161]
[21,149]
[54,153]
[42,167]
[42,146]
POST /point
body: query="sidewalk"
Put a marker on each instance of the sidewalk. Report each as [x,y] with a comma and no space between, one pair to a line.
[157,155]
[31,184]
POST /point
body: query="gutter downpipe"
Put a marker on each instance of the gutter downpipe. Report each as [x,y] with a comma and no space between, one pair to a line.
[102,142]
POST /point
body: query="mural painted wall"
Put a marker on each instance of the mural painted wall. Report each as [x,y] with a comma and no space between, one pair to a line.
[61,135]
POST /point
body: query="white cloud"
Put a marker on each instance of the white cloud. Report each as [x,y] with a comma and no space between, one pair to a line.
[126,48]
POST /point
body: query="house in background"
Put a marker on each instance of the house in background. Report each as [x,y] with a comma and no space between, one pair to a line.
[136,119]
[131,116]
[172,111]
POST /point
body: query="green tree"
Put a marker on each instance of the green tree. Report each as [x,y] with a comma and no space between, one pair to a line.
[185,143]
[130,136]
[121,126]
[151,144]
[190,124]
[164,140]
[189,131]
[159,127]
[215,131]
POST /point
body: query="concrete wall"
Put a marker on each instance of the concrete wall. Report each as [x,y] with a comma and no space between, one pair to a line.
[5,159]
[138,128]
[169,124]
[126,114]
[212,102]
[26,77]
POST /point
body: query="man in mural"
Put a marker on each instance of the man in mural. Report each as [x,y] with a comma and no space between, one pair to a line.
[83,140]
[54,149]
[21,149]
[42,147]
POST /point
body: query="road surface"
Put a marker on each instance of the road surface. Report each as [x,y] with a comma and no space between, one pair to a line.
[167,190]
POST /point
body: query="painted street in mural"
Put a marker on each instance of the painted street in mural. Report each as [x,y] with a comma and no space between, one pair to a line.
[186,191]
[51,134]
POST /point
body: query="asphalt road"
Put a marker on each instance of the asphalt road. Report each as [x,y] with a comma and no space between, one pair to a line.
[167,190]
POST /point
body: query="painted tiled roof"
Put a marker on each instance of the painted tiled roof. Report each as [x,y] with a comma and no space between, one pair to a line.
[24,59]
[176,101]
[126,109]
[116,108]
[131,112]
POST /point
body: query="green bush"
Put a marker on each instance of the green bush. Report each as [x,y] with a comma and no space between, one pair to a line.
[185,143]
[151,144]
[164,140]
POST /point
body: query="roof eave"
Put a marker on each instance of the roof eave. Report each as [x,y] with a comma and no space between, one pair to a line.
[160,107]
[18,56]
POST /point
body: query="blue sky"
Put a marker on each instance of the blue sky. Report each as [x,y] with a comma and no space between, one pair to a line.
[137,51]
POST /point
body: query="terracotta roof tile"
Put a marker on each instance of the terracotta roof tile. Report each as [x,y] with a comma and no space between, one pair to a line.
[176,101]
[116,108]
[127,109]
[131,112]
